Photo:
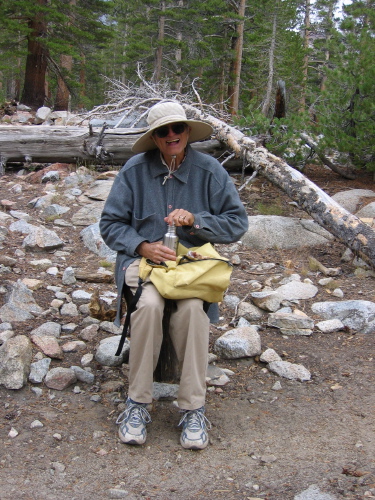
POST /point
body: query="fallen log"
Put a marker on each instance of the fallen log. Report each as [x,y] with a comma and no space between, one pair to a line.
[32,143]
[346,227]
[347,173]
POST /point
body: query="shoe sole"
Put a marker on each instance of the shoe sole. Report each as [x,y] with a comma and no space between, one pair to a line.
[130,441]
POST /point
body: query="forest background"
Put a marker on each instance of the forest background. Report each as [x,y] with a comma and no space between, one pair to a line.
[237,56]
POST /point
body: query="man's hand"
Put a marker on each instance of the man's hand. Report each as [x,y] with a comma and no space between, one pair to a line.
[156,252]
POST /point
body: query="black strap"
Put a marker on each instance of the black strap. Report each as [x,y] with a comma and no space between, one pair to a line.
[131,306]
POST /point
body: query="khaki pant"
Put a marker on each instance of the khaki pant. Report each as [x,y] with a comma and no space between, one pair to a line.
[189,331]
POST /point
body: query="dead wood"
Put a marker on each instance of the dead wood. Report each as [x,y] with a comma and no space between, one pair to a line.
[346,227]
[347,173]
[30,143]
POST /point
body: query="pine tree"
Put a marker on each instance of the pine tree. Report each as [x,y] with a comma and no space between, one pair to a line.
[48,29]
[347,111]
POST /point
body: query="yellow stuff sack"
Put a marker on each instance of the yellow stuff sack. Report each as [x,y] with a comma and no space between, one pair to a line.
[199,272]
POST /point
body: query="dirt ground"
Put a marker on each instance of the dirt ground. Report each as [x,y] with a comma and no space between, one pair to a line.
[264,444]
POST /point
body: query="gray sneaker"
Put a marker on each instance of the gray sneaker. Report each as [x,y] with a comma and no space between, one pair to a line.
[133,422]
[194,435]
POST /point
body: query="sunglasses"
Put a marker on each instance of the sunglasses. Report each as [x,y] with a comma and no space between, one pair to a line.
[177,128]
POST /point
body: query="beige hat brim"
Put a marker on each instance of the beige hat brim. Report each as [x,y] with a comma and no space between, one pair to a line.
[199,131]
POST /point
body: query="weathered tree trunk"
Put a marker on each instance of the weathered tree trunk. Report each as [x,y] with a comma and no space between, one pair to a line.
[346,227]
[72,144]
[159,50]
[36,62]
[234,90]
[306,57]
[280,104]
[62,101]
[345,172]
[271,58]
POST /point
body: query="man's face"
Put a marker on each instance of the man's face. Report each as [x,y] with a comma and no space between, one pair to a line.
[172,139]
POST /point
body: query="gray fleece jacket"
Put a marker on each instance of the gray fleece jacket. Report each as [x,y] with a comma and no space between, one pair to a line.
[140,198]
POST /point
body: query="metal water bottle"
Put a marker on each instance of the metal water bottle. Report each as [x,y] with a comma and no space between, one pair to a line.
[170,239]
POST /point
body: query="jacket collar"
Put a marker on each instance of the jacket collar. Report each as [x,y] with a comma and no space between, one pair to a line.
[182,173]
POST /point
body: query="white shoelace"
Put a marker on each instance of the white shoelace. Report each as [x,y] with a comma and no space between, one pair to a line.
[136,413]
[195,420]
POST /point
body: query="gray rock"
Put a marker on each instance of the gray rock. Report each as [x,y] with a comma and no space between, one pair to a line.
[352,198]
[238,343]
[68,277]
[94,242]
[105,353]
[164,391]
[6,335]
[54,209]
[42,239]
[41,264]
[216,376]
[21,226]
[39,370]
[250,311]
[118,493]
[367,212]
[267,300]
[243,322]
[81,297]
[290,371]
[89,214]
[109,327]
[15,361]
[358,315]
[20,304]
[271,231]
[60,378]
[314,493]
[41,201]
[50,328]
[5,326]
[42,114]
[20,215]
[330,325]
[73,346]
[86,359]
[69,309]
[296,290]
[269,355]
[50,176]
[231,301]
[83,375]
[99,190]
[289,320]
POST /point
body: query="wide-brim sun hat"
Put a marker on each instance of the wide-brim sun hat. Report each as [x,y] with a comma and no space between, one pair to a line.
[165,113]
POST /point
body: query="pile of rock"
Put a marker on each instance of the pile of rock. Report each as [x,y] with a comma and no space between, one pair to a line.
[67,327]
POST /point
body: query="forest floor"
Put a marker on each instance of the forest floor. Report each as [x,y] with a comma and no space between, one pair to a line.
[264,444]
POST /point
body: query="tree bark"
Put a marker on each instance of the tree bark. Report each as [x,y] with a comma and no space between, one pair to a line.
[234,90]
[72,144]
[36,62]
[306,57]
[271,58]
[280,104]
[159,50]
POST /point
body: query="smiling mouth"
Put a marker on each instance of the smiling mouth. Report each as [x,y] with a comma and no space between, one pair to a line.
[175,141]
